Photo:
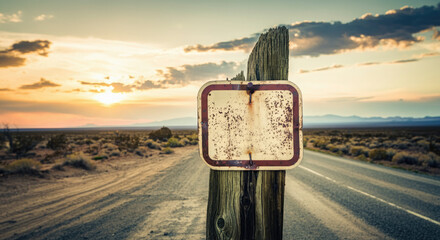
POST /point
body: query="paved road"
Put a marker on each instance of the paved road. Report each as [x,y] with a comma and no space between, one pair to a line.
[329,197]
[326,198]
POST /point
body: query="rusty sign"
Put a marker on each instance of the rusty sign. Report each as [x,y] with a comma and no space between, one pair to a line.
[250,125]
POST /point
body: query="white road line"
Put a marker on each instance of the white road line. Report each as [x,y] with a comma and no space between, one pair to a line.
[372,196]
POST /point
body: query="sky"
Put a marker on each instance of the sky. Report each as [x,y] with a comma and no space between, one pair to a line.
[107,63]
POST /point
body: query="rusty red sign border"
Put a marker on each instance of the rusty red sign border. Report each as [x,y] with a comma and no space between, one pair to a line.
[246,164]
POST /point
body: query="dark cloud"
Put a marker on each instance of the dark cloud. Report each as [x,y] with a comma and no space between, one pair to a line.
[12,56]
[149,84]
[187,73]
[7,60]
[38,46]
[405,61]
[369,63]
[5,89]
[199,72]
[394,28]
[41,84]
[245,44]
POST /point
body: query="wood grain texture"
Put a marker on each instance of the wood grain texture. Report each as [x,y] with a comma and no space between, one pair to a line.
[250,204]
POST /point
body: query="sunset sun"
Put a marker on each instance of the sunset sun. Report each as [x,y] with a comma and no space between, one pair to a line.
[109,98]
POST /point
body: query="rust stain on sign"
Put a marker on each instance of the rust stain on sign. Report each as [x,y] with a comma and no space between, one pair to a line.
[250,125]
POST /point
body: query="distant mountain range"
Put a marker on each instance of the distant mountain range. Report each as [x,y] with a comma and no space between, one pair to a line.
[356,121]
[323,121]
[185,121]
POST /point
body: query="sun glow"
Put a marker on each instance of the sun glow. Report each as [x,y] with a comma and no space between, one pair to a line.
[108,98]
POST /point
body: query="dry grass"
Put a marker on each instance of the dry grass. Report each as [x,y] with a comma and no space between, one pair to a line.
[55,150]
[23,166]
[411,148]
[167,150]
[79,161]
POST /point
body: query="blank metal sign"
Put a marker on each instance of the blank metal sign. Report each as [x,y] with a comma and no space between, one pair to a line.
[250,125]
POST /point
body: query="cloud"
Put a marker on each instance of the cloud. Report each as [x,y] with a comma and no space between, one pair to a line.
[96,83]
[395,28]
[24,47]
[404,61]
[175,76]
[122,88]
[409,60]
[96,91]
[5,89]
[187,73]
[74,90]
[14,18]
[7,60]
[245,44]
[12,56]
[430,54]
[149,84]
[321,69]
[43,17]
[197,72]
[41,84]
[117,86]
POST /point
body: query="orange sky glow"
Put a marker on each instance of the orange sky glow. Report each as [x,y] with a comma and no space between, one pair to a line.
[105,74]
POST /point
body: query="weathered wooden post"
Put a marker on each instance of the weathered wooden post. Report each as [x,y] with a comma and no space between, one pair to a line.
[250,204]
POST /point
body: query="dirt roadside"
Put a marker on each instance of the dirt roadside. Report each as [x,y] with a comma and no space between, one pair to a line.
[149,198]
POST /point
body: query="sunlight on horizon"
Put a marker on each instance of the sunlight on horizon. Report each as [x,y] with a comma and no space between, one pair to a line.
[108,98]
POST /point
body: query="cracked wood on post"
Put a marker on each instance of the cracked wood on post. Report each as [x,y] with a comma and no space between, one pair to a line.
[250,204]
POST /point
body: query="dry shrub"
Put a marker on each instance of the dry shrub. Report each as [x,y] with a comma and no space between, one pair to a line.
[126,142]
[57,142]
[356,151]
[320,143]
[152,144]
[174,142]
[378,154]
[401,144]
[79,161]
[430,160]
[405,157]
[115,153]
[390,153]
[142,151]
[340,149]
[185,141]
[362,157]
[193,137]
[24,166]
[167,150]
[109,146]
[423,144]
[162,134]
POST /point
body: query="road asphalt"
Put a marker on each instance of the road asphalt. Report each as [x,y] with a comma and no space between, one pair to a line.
[326,197]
